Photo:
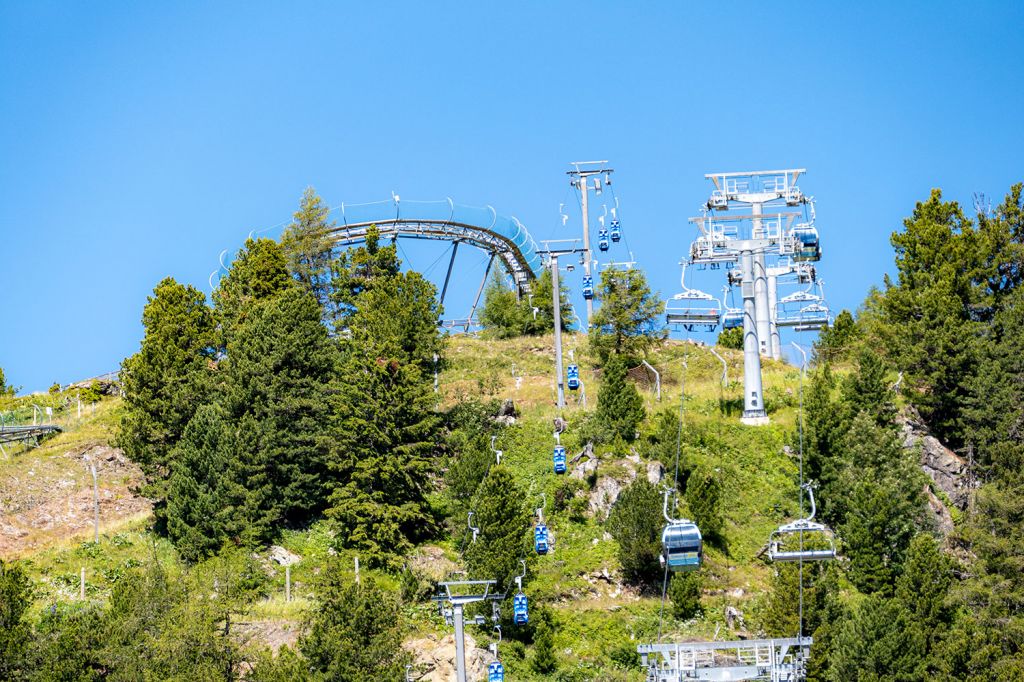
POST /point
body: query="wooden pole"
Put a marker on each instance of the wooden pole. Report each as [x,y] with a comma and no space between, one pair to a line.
[288,583]
[81,584]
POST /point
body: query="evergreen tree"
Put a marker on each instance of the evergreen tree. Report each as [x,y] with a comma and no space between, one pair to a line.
[704,499]
[837,340]
[67,645]
[544,661]
[357,270]
[507,315]
[15,633]
[382,460]
[281,376]
[196,495]
[355,631]
[865,390]
[504,523]
[879,641]
[684,589]
[823,428]
[5,390]
[167,380]
[259,272]
[924,586]
[626,324]
[619,406]
[307,245]
[636,523]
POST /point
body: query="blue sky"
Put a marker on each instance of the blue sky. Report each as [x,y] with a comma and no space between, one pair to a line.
[138,140]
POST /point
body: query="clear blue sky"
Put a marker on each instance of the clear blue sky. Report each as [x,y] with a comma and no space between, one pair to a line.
[140,139]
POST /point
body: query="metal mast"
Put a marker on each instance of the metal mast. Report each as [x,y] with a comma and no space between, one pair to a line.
[579,178]
[568,246]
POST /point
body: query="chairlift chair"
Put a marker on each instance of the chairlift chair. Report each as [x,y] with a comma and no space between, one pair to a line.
[588,287]
[572,373]
[496,672]
[692,309]
[732,318]
[540,539]
[682,547]
[559,459]
[778,549]
[520,609]
[602,240]
[616,230]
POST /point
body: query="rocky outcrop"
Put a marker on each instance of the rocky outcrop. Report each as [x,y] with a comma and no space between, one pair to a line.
[948,471]
[434,659]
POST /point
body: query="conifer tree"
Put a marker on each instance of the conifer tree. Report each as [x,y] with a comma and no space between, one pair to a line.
[15,633]
[619,406]
[544,661]
[924,586]
[506,315]
[704,499]
[307,246]
[5,390]
[865,390]
[197,496]
[167,380]
[684,589]
[356,270]
[281,376]
[636,523]
[878,641]
[259,272]
[504,521]
[355,631]
[626,324]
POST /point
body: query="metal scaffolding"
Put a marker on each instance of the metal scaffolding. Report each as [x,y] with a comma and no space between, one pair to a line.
[772,660]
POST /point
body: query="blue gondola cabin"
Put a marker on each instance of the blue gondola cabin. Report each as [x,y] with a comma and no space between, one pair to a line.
[540,538]
[573,375]
[520,609]
[496,672]
[588,287]
[559,459]
[602,240]
[616,231]
[682,547]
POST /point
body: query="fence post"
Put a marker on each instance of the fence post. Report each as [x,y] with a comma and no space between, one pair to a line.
[81,584]
[288,583]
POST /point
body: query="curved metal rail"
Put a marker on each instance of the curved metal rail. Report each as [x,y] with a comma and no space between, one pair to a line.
[11,434]
[501,236]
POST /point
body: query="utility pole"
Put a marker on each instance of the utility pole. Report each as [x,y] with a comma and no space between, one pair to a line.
[569,246]
[580,179]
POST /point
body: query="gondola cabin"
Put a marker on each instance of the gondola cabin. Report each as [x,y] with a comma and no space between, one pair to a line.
[806,246]
[588,287]
[602,240]
[520,609]
[572,373]
[732,318]
[682,546]
[496,672]
[558,459]
[616,231]
[540,539]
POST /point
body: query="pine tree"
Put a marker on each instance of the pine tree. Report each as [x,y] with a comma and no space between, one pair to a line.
[544,661]
[731,338]
[627,323]
[924,586]
[684,589]
[619,405]
[878,641]
[307,244]
[506,315]
[259,272]
[167,380]
[865,390]
[504,523]
[281,376]
[704,499]
[15,633]
[823,428]
[382,461]
[357,270]
[838,339]
[196,495]
[636,523]
[5,390]
[355,631]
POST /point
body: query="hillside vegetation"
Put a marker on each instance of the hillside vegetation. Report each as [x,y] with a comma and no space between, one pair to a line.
[313,420]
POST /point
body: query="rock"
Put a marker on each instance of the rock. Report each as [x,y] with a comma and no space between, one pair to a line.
[947,470]
[655,472]
[434,659]
[282,556]
[603,496]
[634,458]
[943,519]
[583,470]
[508,409]
[733,617]
[560,425]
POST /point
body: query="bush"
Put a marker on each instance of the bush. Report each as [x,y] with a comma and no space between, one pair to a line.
[636,523]
[685,589]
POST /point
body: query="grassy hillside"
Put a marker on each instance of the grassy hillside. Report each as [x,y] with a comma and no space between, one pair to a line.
[595,614]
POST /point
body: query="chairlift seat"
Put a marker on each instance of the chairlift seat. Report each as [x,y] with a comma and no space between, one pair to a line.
[718,200]
[682,546]
[778,552]
[794,196]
